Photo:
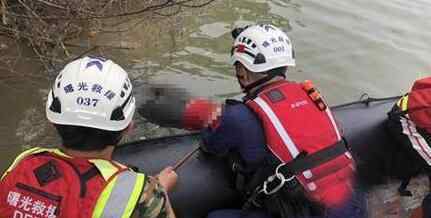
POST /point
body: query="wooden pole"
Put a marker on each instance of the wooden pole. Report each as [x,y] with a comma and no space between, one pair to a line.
[185,158]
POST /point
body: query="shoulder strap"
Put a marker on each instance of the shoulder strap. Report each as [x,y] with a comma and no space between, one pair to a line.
[120,196]
[83,177]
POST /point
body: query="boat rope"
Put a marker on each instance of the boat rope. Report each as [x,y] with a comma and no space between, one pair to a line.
[367,100]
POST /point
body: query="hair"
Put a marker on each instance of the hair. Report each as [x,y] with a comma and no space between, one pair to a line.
[87,139]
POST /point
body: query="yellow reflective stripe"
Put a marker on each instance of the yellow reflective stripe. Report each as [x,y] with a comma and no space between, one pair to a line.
[19,158]
[56,151]
[134,197]
[120,196]
[103,198]
[106,168]
[399,101]
[31,151]
[403,103]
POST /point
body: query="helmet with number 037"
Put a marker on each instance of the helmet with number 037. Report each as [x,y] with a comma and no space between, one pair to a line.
[262,47]
[92,92]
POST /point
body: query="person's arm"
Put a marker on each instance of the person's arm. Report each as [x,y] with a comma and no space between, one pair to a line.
[154,201]
[223,137]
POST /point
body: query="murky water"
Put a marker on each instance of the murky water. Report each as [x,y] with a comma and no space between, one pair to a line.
[346,47]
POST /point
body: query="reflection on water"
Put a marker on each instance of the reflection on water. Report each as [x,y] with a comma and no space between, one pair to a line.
[346,47]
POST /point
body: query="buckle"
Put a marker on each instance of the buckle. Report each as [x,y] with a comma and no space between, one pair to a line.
[281,178]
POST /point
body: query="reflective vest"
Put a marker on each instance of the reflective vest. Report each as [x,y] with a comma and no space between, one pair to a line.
[46,183]
[295,123]
[403,103]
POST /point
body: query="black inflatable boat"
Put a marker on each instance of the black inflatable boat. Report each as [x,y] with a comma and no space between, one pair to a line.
[204,180]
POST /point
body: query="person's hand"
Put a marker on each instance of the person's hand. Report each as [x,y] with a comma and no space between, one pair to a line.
[168,178]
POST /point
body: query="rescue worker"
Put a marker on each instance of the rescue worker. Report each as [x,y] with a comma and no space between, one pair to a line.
[290,157]
[91,105]
[409,124]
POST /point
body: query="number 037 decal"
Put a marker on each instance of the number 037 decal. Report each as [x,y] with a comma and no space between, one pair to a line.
[87,101]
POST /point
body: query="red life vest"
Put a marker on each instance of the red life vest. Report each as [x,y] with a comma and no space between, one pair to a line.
[48,185]
[419,103]
[294,123]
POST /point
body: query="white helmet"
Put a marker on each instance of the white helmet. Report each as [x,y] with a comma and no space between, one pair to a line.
[91,92]
[262,47]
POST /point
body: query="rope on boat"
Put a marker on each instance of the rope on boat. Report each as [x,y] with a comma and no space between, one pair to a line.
[367,100]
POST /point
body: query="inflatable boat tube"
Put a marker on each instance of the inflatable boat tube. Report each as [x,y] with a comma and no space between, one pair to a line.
[204,180]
